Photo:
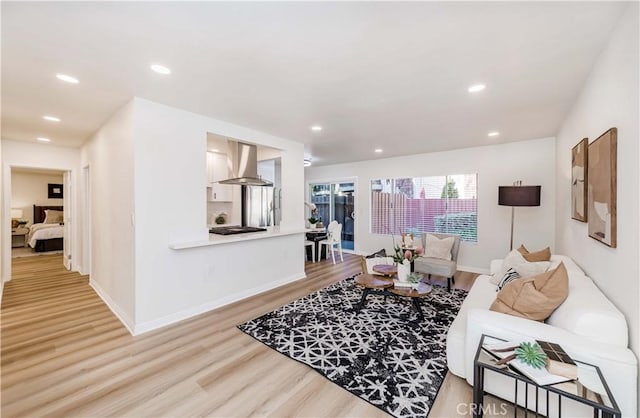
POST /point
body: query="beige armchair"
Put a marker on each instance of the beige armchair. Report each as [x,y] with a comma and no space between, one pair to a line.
[437,266]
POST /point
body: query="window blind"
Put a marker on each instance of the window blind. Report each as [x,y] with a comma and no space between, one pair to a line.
[446,204]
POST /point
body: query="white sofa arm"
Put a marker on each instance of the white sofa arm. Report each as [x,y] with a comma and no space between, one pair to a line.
[495,267]
[619,366]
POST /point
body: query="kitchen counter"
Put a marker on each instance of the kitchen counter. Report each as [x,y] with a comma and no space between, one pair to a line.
[214,239]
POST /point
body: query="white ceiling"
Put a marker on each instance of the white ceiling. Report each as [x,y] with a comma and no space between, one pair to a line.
[388,75]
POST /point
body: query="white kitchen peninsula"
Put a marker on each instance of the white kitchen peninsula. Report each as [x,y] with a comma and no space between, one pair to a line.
[271,232]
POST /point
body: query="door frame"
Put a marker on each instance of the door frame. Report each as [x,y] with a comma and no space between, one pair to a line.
[6,199]
[86,220]
[356,221]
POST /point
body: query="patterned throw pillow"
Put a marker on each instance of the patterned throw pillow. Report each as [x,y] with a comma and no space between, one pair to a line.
[509,276]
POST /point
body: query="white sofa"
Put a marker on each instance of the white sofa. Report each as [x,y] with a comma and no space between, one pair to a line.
[587,325]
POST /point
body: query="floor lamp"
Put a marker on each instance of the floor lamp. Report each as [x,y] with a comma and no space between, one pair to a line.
[518,195]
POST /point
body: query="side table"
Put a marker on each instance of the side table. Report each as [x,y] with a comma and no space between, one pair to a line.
[590,389]
[19,237]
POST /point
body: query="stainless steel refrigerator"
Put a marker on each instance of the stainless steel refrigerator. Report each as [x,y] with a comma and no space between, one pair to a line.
[261,206]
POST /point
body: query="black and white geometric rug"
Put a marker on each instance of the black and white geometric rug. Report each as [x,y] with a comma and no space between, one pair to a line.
[385,355]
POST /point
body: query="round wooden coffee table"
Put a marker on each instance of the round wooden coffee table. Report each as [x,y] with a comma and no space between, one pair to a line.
[386,269]
[372,283]
[416,294]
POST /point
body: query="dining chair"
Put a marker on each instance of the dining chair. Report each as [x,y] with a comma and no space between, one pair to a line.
[334,239]
[311,244]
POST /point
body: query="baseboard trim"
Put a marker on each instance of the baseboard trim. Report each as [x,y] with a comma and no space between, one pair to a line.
[215,304]
[473,269]
[115,308]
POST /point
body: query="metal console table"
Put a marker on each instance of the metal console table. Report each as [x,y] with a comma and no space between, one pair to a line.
[592,391]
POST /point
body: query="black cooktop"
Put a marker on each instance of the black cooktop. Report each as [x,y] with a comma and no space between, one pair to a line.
[231,230]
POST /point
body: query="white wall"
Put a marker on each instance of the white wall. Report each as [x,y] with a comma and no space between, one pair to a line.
[28,189]
[44,156]
[533,162]
[609,99]
[170,205]
[109,155]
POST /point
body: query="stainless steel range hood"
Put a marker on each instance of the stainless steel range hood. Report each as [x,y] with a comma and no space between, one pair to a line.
[243,160]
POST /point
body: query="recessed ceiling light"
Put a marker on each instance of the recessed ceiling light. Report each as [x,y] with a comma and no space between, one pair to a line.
[476,88]
[43,139]
[378,150]
[51,118]
[316,128]
[307,162]
[493,133]
[67,78]
[160,69]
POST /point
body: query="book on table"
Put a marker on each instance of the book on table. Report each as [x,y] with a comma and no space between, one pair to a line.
[504,349]
[558,361]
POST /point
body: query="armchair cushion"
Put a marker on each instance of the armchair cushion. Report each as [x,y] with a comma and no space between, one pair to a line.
[435,266]
[438,247]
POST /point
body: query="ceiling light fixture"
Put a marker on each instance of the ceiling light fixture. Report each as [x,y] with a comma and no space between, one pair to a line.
[476,88]
[51,118]
[316,128]
[493,133]
[160,69]
[67,78]
[377,150]
[43,139]
[307,162]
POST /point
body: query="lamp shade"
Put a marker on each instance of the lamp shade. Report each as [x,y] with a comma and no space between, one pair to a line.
[519,195]
[16,213]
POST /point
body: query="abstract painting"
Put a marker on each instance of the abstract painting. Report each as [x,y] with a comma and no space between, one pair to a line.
[579,164]
[602,181]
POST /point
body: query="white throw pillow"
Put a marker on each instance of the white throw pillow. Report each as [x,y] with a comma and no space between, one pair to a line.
[516,261]
[438,248]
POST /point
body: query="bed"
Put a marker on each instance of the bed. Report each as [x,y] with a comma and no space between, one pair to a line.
[45,237]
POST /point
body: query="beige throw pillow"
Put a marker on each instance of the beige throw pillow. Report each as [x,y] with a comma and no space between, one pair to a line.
[438,248]
[540,255]
[53,216]
[535,297]
[514,260]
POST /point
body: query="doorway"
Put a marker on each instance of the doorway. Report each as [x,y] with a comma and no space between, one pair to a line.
[335,201]
[38,214]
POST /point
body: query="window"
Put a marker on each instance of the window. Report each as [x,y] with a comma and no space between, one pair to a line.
[446,204]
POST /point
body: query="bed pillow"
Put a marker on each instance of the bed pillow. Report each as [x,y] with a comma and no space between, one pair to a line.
[540,255]
[53,216]
[535,297]
[438,248]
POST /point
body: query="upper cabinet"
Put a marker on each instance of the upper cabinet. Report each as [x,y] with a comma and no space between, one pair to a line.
[217,170]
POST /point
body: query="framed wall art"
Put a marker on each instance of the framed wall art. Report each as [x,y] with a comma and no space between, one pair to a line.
[602,183]
[55,191]
[579,174]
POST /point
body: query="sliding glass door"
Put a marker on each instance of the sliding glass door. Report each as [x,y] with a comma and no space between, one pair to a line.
[335,202]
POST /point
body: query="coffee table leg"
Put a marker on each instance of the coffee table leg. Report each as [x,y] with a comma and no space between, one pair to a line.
[416,303]
[363,299]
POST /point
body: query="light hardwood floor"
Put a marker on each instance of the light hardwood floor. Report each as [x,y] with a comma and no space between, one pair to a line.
[65,354]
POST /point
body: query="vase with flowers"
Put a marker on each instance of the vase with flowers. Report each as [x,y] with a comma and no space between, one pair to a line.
[403,260]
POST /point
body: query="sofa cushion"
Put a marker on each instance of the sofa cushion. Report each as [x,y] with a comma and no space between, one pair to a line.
[508,277]
[515,260]
[534,297]
[480,296]
[569,264]
[540,255]
[588,312]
